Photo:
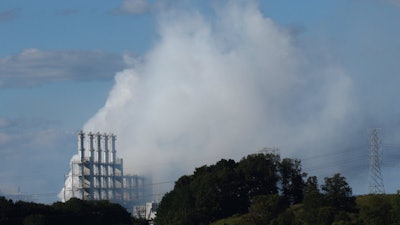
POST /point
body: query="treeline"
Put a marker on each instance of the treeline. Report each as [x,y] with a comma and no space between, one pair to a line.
[74,211]
[229,187]
[263,189]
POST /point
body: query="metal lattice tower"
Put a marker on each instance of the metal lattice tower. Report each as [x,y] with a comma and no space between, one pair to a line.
[375,175]
[269,150]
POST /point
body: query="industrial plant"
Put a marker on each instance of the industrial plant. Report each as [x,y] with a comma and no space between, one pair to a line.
[97,173]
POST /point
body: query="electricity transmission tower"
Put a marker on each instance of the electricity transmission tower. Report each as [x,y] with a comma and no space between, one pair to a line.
[269,150]
[375,175]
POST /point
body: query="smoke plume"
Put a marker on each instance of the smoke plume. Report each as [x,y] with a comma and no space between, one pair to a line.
[223,87]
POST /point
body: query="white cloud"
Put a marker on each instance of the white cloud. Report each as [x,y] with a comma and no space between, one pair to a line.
[223,88]
[138,7]
[134,7]
[34,67]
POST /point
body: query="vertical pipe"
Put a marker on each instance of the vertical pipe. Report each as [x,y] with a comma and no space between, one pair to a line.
[99,166]
[91,165]
[91,147]
[111,139]
[72,182]
[81,149]
[122,183]
[98,147]
[106,150]
[81,145]
[136,188]
[113,149]
[106,165]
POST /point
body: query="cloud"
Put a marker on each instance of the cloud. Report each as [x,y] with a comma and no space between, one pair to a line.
[138,7]
[33,153]
[394,2]
[9,15]
[133,7]
[4,123]
[223,88]
[34,67]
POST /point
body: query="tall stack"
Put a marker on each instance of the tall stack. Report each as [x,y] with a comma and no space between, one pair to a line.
[97,174]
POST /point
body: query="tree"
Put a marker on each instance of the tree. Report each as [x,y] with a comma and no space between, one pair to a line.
[313,198]
[74,211]
[228,187]
[6,211]
[338,193]
[286,218]
[376,210]
[34,219]
[292,180]
[177,206]
[312,202]
[260,172]
[220,190]
[265,208]
[332,205]
[396,209]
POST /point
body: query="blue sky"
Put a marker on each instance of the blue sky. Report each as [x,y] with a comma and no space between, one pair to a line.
[58,60]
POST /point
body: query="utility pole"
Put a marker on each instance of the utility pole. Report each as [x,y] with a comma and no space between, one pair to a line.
[375,175]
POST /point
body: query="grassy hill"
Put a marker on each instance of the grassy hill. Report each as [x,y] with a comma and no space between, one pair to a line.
[370,210]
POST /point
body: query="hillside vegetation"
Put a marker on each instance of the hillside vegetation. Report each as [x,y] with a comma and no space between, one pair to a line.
[74,211]
[262,189]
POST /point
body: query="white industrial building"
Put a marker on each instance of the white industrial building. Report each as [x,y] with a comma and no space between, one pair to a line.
[148,211]
[97,173]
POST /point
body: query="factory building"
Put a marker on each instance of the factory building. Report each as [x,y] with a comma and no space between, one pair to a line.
[98,174]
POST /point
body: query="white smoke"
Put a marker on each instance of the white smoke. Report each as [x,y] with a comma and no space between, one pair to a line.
[69,191]
[222,87]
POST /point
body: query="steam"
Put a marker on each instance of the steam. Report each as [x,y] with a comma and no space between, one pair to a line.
[222,88]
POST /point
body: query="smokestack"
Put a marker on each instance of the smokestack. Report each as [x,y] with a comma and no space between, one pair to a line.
[112,139]
[91,148]
[81,145]
[106,165]
[98,147]
[105,148]
[99,162]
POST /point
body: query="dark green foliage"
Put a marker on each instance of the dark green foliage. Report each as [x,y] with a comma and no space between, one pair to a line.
[396,209]
[265,208]
[338,193]
[312,201]
[329,204]
[139,221]
[286,218]
[260,174]
[233,220]
[332,205]
[34,219]
[228,187]
[377,209]
[292,179]
[74,211]
[263,189]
